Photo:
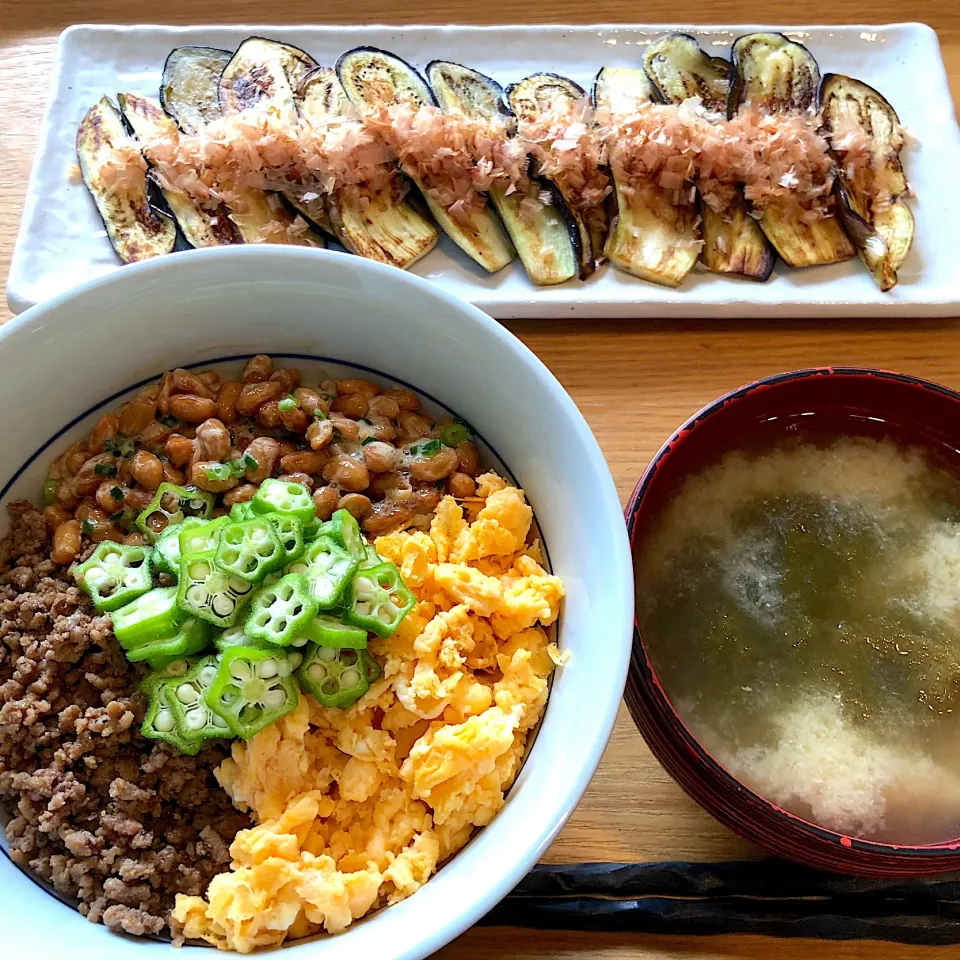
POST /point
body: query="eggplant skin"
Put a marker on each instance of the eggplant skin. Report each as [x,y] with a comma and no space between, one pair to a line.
[531,96]
[659,246]
[777,75]
[375,222]
[263,72]
[136,230]
[188,90]
[529,99]
[733,242]
[547,239]
[679,68]
[374,78]
[882,229]
[456,87]
[145,119]
[773,74]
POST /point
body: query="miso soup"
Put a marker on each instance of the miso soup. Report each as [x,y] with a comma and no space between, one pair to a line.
[800,603]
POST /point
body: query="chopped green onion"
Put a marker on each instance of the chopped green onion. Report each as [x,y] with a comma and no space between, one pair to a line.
[218,471]
[169,421]
[105,470]
[319,414]
[337,436]
[453,434]
[440,484]
[288,403]
[251,462]
[428,449]
[49,491]
[116,493]
[87,527]
[116,516]
[367,440]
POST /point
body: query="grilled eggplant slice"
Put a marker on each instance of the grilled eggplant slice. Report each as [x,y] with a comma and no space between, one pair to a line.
[543,230]
[529,99]
[264,73]
[679,68]
[733,242]
[188,90]
[872,205]
[778,75]
[373,78]
[135,229]
[656,245]
[146,120]
[376,222]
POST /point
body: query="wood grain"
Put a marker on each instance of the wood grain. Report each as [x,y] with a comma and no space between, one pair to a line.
[634,382]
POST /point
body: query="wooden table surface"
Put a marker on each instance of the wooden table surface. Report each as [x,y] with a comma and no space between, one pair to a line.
[634,382]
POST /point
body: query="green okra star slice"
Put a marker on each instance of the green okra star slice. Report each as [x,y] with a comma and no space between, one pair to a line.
[159,723]
[290,531]
[335,678]
[115,574]
[187,698]
[279,612]
[328,568]
[201,537]
[284,496]
[252,689]
[210,593]
[251,549]
[378,599]
[171,505]
[242,511]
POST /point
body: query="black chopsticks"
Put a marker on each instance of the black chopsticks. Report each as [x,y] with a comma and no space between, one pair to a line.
[770,897]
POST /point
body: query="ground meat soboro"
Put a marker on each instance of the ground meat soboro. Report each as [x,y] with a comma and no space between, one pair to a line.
[106,816]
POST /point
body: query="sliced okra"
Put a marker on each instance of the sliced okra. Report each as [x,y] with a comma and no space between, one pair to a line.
[251,549]
[150,617]
[115,574]
[345,530]
[279,612]
[284,496]
[252,688]
[328,568]
[378,599]
[171,505]
[192,636]
[161,724]
[201,537]
[335,678]
[210,593]
[187,697]
[290,532]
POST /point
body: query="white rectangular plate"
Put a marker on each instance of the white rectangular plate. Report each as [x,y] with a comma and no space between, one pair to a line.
[62,241]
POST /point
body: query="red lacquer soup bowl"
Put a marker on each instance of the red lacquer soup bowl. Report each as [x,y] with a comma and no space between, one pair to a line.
[867,402]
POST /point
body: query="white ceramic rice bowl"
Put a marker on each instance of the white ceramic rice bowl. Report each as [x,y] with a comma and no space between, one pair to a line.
[85,349]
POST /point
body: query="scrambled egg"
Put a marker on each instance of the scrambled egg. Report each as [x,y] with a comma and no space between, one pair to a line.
[355,808]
